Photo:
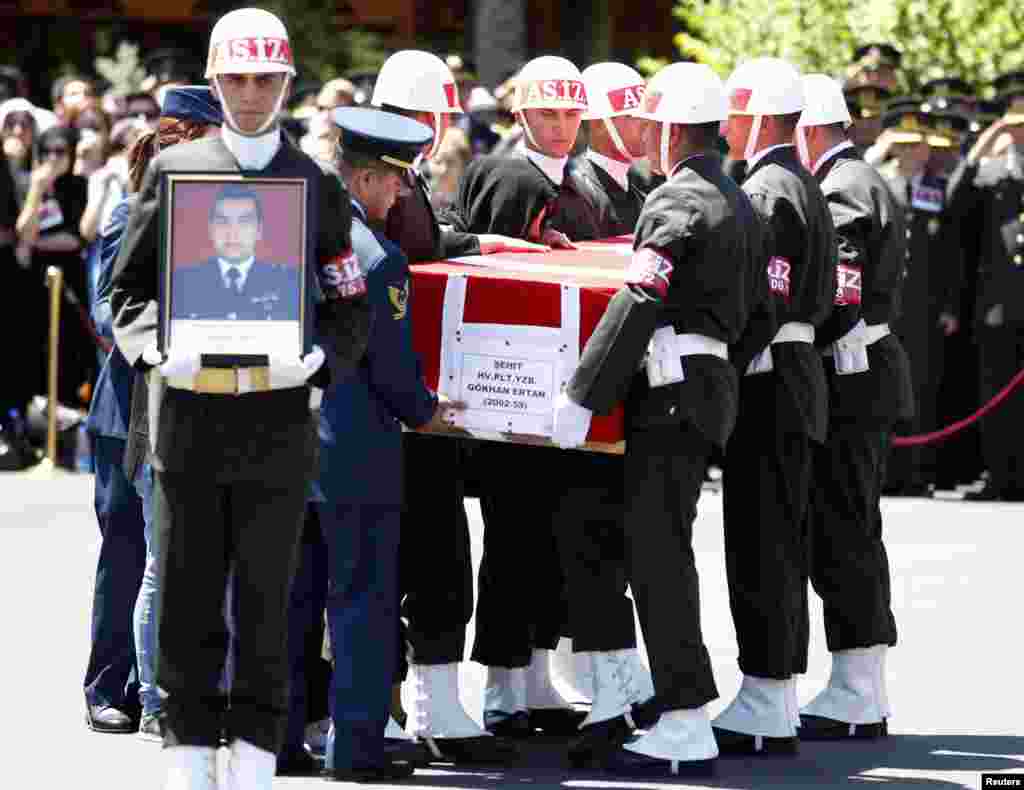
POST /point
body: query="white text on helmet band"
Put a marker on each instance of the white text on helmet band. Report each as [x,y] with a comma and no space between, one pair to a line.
[252,50]
[571,92]
[626,98]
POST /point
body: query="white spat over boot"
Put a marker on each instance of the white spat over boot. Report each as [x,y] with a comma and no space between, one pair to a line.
[191,768]
[393,732]
[549,710]
[792,702]
[620,681]
[681,742]
[854,704]
[250,767]
[758,721]
[572,673]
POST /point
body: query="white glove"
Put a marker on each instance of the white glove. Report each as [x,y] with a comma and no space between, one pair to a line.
[850,352]
[180,368]
[572,422]
[286,372]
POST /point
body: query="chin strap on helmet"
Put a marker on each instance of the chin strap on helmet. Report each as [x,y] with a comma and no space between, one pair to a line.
[666,133]
[801,147]
[755,132]
[613,132]
[521,117]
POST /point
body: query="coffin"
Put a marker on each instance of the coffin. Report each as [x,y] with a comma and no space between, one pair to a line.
[504,332]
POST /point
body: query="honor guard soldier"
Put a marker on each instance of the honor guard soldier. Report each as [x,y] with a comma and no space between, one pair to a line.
[783,411]
[933,272]
[435,576]
[520,617]
[361,454]
[869,389]
[987,197]
[697,242]
[615,94]
[233,451]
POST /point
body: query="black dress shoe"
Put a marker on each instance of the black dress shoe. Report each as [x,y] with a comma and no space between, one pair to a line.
[596,742]
[484,749]
[403,751]
[740,744]
[623,762]
[991,493]
[367,774]
[822,728]
[557,721]
[297,764]
[508,725]
[105,718]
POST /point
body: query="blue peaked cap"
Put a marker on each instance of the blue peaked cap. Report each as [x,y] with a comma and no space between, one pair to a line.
[192,103]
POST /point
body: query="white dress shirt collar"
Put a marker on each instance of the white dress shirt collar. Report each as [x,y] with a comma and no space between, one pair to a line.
[752,162]
[552,167]
[619,171]
[252,153]
[243,268]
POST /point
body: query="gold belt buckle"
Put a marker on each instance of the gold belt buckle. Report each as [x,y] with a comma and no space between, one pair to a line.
[232,381]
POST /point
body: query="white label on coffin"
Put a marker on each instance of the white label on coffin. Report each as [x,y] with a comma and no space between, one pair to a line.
[508,384]
[508,375]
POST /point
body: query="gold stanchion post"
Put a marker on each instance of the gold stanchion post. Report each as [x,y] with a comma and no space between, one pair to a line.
[48,466]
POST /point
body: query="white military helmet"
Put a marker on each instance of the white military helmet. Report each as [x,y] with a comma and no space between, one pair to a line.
[418,81]
[764,86]
[613,90]
[685,93]
[824,105]
[249,41]
[548,82]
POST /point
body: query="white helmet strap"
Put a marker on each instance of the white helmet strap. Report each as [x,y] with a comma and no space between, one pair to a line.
[755,132]
[437,137]
[666,134]
[801,147]
[521,116]
[613,132]
[267,124]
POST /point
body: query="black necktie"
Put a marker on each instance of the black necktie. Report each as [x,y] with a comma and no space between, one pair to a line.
[234,274]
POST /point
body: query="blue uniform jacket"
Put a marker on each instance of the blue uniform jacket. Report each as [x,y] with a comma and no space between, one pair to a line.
[110,410]
[361,415]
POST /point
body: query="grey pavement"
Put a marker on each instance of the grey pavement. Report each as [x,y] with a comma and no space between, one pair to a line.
[954,680]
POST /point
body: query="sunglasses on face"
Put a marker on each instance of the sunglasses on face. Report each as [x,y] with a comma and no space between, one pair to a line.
[55,151]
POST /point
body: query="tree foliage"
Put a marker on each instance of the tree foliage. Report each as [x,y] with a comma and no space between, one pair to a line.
[972,39]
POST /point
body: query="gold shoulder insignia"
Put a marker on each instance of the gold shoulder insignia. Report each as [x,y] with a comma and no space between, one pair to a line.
[399,297]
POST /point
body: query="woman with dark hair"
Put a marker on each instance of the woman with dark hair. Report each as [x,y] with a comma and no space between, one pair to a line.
[93,126]
[48,224]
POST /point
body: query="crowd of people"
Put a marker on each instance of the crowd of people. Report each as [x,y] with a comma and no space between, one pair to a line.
[804,248]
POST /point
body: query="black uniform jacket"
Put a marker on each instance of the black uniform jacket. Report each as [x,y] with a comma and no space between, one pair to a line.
[871,240]
[705,226]
[614,210]
[258,434]
[987,201]
[801,248]
[413,226]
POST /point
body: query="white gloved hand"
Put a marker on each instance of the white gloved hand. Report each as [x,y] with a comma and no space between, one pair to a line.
[180,368]
[152,356]
[850,351]
[286,372]
[572,422]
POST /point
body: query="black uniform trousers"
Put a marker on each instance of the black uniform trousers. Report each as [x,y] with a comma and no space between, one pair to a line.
[1000,357]
[521,604]
[203,524]
[435,566]
[765,487]
[592,551]
[664,471]
[848,564]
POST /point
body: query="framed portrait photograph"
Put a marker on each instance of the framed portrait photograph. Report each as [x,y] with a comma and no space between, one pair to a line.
[234,252]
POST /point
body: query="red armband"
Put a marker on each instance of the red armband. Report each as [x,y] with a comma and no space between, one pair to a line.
[651,272]
[848,284]
[342,277]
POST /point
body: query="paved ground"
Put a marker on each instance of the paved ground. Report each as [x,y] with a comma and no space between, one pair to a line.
[955,679]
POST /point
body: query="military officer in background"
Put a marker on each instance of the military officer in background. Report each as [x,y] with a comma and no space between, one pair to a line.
[877,63]
[933,270]
[865,103]
[233,451]
[697,242]
[987,199]
[435,576]
[869,389]
[361,470]
[782,412]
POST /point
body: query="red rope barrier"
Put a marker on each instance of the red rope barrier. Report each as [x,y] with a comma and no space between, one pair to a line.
[959,425]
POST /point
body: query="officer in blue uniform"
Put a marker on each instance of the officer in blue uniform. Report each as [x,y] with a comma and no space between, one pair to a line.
[117,665]
[360,477]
